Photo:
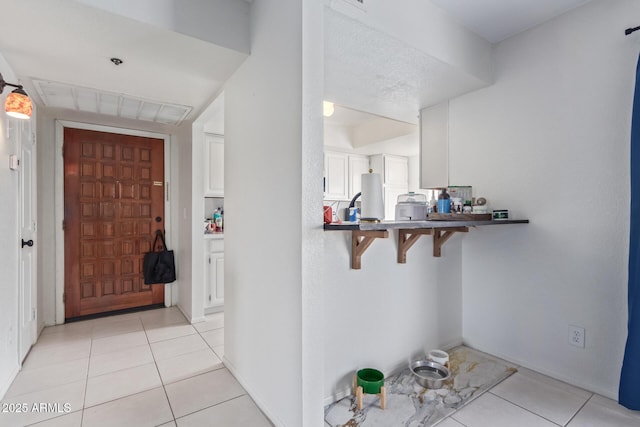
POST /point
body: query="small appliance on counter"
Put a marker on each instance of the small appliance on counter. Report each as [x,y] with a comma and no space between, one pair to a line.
[412,207]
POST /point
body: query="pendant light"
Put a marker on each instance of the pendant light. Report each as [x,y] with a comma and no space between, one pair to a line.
[18,103]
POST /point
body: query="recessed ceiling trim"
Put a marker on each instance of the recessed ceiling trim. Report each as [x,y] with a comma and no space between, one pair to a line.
[54,94]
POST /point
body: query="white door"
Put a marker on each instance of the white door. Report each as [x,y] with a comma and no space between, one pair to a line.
[27,218]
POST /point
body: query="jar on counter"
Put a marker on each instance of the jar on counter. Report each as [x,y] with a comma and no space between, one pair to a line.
[444,202]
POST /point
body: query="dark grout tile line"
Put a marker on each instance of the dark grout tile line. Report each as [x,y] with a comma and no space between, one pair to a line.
[581,408]
[86,383]
[528,410]
[211,406]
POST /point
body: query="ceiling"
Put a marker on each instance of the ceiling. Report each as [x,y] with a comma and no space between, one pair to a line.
[70,44]
[496,20]
[67,48]
[373,72]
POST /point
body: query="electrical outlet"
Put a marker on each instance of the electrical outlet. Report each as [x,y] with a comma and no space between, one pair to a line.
[576,336]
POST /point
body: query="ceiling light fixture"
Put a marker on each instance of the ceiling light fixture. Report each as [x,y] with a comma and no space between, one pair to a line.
[18,103]
[327,108]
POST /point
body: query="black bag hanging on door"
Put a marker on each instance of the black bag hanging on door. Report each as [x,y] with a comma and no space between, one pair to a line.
[159,267]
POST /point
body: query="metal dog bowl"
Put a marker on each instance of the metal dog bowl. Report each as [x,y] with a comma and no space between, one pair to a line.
[430,374]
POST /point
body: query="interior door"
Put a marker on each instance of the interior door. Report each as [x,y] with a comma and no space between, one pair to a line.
[27,218]
[113,205]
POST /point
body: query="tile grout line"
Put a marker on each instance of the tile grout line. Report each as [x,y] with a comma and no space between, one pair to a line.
[581,408]
[528,410]
[164,387]
[86,383]
[211,406]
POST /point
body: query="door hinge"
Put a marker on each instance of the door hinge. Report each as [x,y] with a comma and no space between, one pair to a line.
[33,314]
[209,260]
[64,225]
[64,297]
[62,150]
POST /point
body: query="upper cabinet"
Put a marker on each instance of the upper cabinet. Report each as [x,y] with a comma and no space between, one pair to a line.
[434,146]
[357,166]
[336,175]
[342,174]
[214,165]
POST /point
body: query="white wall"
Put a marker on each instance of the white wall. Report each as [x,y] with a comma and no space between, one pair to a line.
[427,28]
[183,212]
[9,232]
[386,313]
[222,22]
[273,127]
[550,141]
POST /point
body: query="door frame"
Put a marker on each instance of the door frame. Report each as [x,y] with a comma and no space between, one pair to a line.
[170,290]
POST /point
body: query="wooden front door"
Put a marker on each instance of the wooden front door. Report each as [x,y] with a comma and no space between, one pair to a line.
[113,205]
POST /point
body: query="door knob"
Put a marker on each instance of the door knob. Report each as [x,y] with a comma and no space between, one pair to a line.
[27,243]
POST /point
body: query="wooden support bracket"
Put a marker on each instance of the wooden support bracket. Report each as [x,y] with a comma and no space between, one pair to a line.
[441,235]
[406,239]
[360,241]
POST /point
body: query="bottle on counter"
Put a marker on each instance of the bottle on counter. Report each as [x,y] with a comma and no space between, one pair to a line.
[444,202]
[217,219]
[433,204]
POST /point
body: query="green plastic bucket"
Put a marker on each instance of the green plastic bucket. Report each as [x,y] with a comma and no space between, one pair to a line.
[371,380]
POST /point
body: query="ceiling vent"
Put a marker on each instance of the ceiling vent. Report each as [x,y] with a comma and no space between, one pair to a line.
[61,95]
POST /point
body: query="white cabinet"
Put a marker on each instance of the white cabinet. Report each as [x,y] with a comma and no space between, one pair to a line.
[434,146]
[336,176]
[394,171]
[357,166]
[214,274]
[343,174]
[214,165]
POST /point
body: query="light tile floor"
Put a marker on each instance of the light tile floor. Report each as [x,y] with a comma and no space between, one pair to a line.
[155,369]
[150,368]
[528,399]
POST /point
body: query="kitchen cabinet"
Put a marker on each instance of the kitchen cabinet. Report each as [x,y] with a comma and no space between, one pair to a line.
[357,166]
[342,174]
[434,146]
[394,172]
[214,274]
[214,165]
[336,175]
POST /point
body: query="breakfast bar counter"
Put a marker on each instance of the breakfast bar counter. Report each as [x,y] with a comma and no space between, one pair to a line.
[364,233]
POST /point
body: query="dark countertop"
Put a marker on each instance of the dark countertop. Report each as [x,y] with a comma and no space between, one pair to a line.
[390,225]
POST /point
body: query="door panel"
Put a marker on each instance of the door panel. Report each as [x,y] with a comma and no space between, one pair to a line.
[114,197]
[28,264]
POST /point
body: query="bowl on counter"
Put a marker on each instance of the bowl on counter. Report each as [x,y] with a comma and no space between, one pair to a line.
[430,374]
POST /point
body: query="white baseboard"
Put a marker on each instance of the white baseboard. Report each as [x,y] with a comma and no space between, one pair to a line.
[275,420]
[593,388]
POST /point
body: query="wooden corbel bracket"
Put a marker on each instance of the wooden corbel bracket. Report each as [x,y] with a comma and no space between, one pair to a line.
[406,239]
[360,241]
[441,235]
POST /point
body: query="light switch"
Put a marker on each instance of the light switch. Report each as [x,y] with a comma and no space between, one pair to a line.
[13,162]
